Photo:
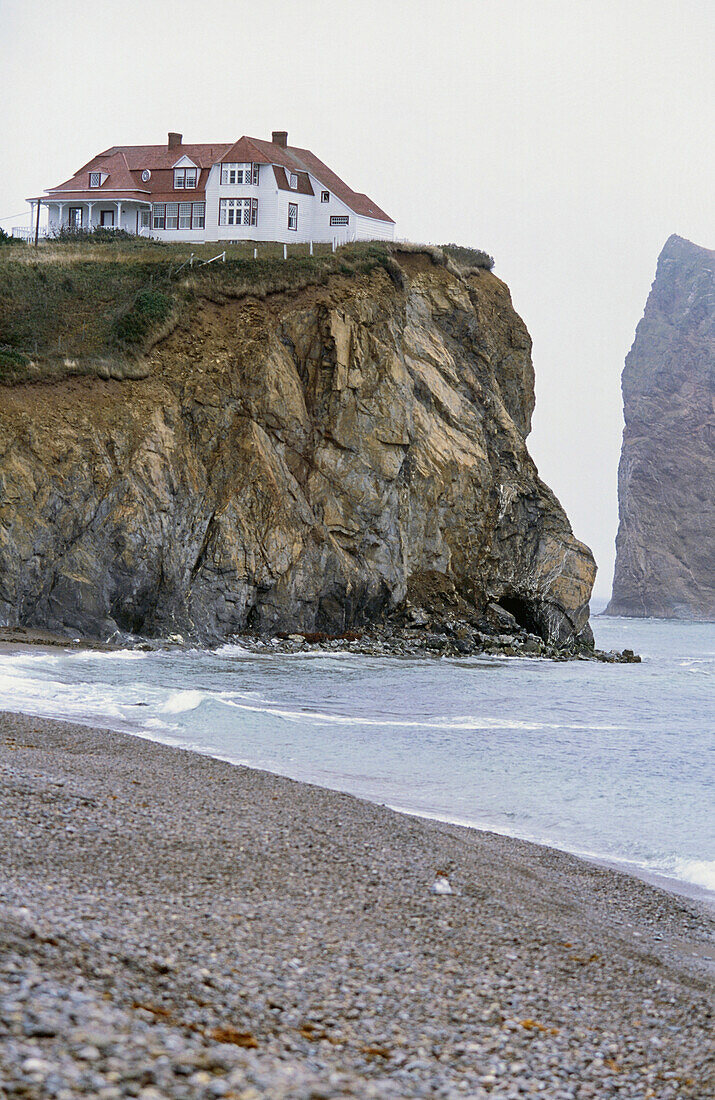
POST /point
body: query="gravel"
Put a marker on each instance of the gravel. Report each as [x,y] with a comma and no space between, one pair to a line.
[172,926]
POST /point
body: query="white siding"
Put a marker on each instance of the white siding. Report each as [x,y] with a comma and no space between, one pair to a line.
[373,229]
[313,215]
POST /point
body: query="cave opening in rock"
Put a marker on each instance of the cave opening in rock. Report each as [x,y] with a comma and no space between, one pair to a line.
[129,617]
[525,611]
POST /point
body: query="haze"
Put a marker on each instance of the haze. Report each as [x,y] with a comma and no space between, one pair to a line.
[568,139]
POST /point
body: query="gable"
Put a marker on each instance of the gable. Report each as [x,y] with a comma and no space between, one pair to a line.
[185,162]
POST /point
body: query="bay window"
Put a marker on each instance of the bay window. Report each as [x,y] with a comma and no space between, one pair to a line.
[179,215]
[238,212]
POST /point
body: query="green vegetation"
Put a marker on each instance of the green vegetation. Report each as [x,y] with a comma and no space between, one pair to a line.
[7,238]
[92,304]
[13,364]
[149,311]
[468,258]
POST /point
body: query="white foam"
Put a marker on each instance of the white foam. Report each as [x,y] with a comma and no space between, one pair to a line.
[464,722]
[109,654]
[233,649]
[182,701]
[701,872]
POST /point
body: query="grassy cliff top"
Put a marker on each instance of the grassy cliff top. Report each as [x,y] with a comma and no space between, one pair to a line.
[93,307]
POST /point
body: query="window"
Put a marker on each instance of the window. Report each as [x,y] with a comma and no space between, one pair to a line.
[184,178]
[177,215]
[239,173]
[95,179]
[198,215]
[325,196]
[238,212]
[292,215]
[106,218]
[339,219]
[75,217]
[145,218]
[293,180]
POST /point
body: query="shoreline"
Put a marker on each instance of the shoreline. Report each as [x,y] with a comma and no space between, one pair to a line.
[214,929]
[678,887]
[420,639]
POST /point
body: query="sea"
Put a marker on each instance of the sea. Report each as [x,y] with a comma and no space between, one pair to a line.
[612,762]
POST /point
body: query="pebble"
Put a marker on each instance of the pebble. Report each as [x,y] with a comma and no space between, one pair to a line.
[534,975]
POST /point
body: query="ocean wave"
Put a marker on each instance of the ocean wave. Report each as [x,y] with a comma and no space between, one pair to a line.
[701,872]
[182,701]
[110,654]
[461,722]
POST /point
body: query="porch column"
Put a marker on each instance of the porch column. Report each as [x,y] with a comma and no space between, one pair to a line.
[119,215]
[61,214]
[89,214]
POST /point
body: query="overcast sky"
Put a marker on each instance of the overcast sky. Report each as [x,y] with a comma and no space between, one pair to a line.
[569,138]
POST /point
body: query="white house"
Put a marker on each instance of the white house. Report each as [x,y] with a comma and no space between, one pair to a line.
[249,190]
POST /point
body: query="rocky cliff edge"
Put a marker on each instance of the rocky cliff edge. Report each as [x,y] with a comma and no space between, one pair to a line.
[308,461]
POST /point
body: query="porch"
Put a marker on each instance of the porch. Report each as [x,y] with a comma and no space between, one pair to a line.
[131,215]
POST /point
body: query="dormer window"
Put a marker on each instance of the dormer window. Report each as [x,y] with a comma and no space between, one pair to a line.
[325,196]
[239,173]
[95,179]
[293,181]
[184,178]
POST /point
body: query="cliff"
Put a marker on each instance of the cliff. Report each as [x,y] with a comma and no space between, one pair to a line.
[665,562]
[309,460]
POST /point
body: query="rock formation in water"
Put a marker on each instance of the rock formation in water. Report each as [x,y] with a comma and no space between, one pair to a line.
[305,461]
[665,556]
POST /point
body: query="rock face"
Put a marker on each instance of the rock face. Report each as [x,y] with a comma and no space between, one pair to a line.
[665,561]
[299,462]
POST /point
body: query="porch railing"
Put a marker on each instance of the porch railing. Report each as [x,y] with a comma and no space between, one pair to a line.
[27,232]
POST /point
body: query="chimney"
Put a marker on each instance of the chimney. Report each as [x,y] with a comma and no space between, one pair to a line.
[174,140]
[280,137]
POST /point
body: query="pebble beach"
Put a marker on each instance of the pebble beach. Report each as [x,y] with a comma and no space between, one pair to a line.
[173,926]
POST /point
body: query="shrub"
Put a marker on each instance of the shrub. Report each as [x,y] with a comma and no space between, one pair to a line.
[469,257]
[7,238]
[149,311]
[109,236]
[70,234]
[12,364]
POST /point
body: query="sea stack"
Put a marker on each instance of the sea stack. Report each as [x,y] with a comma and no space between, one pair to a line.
[665,563]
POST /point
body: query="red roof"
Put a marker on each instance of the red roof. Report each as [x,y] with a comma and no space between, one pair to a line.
[124,164]
[297,160]
[304,186]
[95,194]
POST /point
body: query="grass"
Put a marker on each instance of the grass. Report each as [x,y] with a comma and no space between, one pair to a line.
[86,307]
[149,311]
